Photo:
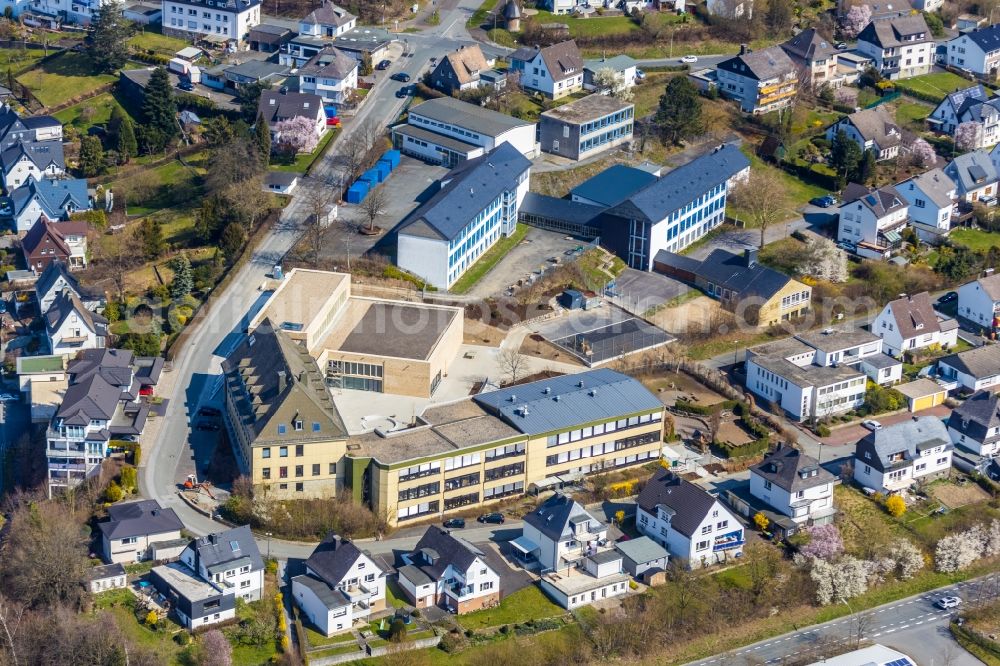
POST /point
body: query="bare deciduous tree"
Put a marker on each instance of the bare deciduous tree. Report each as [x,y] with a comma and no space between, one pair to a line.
[318,203]
[861,624]
[374,205]
[353,150]
[762,196]
[512,363]
[118,256]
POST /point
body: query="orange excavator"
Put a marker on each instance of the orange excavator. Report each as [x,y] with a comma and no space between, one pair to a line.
[192,484]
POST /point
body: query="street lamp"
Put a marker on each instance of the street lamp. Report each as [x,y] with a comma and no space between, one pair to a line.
[268,534]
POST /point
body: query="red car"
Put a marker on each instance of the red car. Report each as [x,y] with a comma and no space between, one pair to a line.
[333,121]
[146,391]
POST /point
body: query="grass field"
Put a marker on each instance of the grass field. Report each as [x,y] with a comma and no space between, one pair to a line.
[912,114]
[62,78]
[489,259]
[166,186]
[797,191]
[936,84]
[975,239]
[18,60]
[152,39]
[529,603]
[593,26]
[94,111]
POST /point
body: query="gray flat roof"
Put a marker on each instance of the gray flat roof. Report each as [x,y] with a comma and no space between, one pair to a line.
[810,375]
[400,330]
[587,108]
[433,137]
[184,581]
[469,116]
[831,340]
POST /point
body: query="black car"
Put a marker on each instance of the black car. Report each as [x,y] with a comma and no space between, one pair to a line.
[383,65]
[949,297]
[207,425]
[209,411]
[401,76]
[494,518]
[455,523]
[186,86]
[403,92]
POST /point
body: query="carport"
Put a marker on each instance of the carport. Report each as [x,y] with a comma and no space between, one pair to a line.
[524,549]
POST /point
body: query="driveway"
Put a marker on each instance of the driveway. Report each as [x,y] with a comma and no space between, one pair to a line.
[850,434]
[529,255]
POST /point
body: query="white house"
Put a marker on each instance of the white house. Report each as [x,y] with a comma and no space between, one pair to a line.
[560,532]
[70,11]
[872,129]
[71,327]
[909,323]
[975,424]
[327,21]
[555,71]
[56,279]
[229,558]
[476,205]
[276,106]
[133,527]
[195,601]
[331,74]
[817,57]
[897,456]
[872,220]
[599,576]
[761,81]
[975,177]
[623,67]
[106,577]
[969,105]
[900,47]
[932,200]
[979,301]
[31,159]
[976,50]
[342,585]
[795,485]
[973,369]
[690,523]
[447,571]
[214,20]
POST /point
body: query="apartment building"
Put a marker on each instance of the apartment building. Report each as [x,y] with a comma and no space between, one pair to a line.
[761,81]
[979,301]
[476,204]
[900,47]
[505,443]
[816,57]
[555,71]
[872,220]
[977,51]
[872,129]
[674,211]
[221,21]
[586,127]
[897,456]
[794,485]
[932,199]
[909,323]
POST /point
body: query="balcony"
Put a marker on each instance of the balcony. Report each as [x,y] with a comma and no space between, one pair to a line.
[68,467]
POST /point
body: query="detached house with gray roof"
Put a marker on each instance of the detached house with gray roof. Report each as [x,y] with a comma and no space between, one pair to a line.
[872,129]
[342,585]
[899,47]
[276,106]
[761,81]
[975,424]
[555,71]
[969,105]
[446,570]
[476,204]
[979,302]
[135,530]
[975,175]
[34,159]
[328,20]
[909,323]
[976,50]
[897,456]
[794,485]
[331,74]
[872,220]
[817,56]
[70,326]
[932,197]
[692,524]
[55,279]
[973,369]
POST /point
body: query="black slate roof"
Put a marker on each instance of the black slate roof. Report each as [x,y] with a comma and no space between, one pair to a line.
[689,503]
[334,557]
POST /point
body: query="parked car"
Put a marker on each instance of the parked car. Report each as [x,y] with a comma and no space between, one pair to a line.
[207,425]
[495,518]
[455,523]
[689,59]
[401,76]
[824,201]
[383,65]
[186,86]
[639,75]
[845,246]
[871,424]
[209,411]
[949,297]
[946,603]
[842,46]
[403,92]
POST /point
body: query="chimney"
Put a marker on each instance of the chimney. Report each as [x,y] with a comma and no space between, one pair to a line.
[282,381]
[750,257]
[743,49]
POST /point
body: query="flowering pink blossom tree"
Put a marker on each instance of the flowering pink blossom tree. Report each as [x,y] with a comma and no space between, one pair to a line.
[824,542]
[855,20]
[922,152]
[968,136]
[297,134]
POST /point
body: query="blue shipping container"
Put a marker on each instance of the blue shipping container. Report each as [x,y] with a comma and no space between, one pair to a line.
[357,192]
[383,171]
[391,156]
[371,176]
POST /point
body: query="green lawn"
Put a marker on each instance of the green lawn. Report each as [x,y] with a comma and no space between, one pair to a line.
[64,77]
[529,603]
[937,84]
[798,191]
[646,96]
[490,259]
[18,60]
[251,655]
[159,642]
[94,111]
[304,161]
[317,639]
[168,185]
[912,113]
[975,239]
[152,39]
[394,595]
[593,26]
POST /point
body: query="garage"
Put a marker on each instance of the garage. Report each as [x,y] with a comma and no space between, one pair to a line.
[923,394]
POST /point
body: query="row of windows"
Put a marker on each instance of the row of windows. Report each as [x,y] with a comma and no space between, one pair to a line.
[601,449]
[265,472]
[420,120]
[464,481]
[794,298]
[352,368]
[613,119]
[419,471]
[504,471]
[461,500]
[600,429]
[607,465]
[420,491]
[423,509]
[298,426]
[842,385]
[497,492]
[700,214]
[459,462]
[193,25]
[505,451]
[300,449]
[610,135]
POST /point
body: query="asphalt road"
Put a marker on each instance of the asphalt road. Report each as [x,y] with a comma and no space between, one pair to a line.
[914,626]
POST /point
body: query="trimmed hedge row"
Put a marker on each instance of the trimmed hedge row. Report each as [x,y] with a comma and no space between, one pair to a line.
[704,410]
[754,448]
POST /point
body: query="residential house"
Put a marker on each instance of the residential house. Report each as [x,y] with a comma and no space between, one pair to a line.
[555,71]
[761,81]
[459,70]
[342,585]
[56,279]
[872,220]
[909,323]
[975,177]
[762,296]
[448,131]
[975,424]
[31,159]
[70,326]
[15,129]
[359,43]
[642,557]
[276,106]
[331,74]
[101,403]
[131,529]
[53,13]
[560,533]
[476,204]
[585,127]
[218,21]
[693,525]
[979,302]
[730,9]
[932,200]
[280,182]
[969,105]
[794,485]
[229,558]
[899,47]
[559,6]
[624,68]
[599,576]
[674,211]
[816,57]
[447,571]
[55,241]
[977,51]
[897,456]
[872,129]
[42,381]
[286,431]
[194,601]
[106,577]
[973,369]
[262,72]
[52,199]
[327,21]
[269,38]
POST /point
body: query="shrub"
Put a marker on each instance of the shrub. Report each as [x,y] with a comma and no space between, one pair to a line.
[152,618]
[397,630]
[823,430]
[182,638]
[824,542]
[896,506]
[761,521]
[113,493]
[632,585]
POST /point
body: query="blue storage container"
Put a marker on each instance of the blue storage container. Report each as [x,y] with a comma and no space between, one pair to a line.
[330,111]
[392,157]
[357,192]
[383,171]
[371,176]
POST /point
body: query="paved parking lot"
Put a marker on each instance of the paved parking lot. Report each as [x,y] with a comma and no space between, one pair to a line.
[532,254]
